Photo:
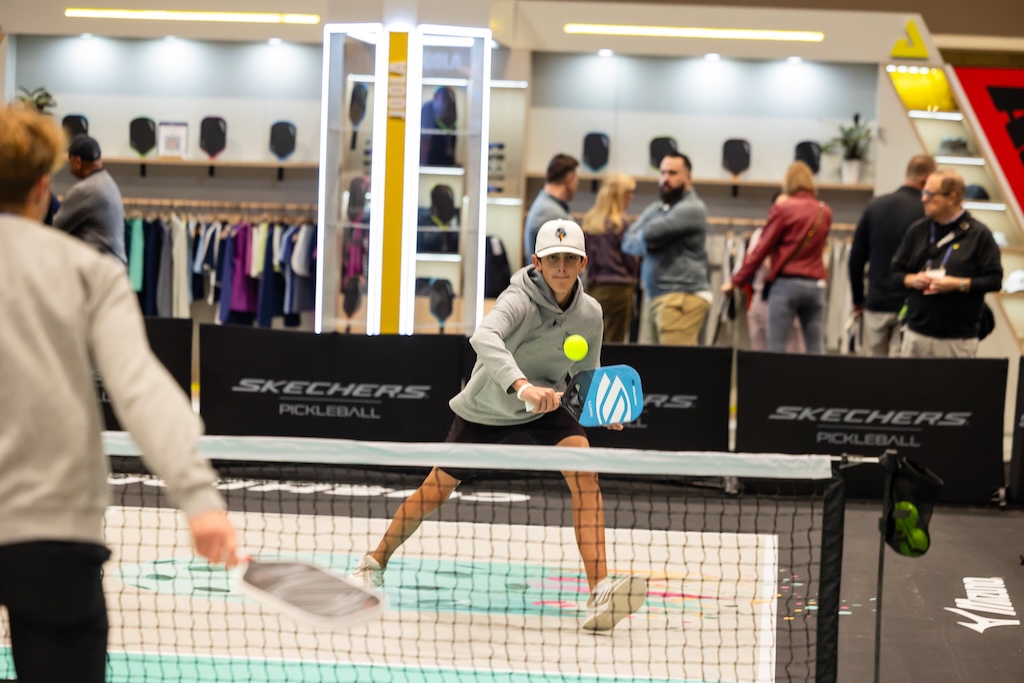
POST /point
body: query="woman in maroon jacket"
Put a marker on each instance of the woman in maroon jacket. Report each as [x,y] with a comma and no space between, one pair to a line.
[794,238]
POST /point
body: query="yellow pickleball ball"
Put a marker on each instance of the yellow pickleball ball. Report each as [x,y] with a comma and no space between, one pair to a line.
[575,347]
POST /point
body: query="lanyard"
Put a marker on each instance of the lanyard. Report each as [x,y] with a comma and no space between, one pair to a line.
[947,238]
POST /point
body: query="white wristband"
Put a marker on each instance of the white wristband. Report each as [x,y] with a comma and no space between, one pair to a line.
[519,394]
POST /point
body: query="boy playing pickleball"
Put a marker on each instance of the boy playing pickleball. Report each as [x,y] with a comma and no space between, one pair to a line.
[520,361]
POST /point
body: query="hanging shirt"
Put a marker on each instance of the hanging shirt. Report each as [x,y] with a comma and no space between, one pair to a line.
[244,289]
[136,252]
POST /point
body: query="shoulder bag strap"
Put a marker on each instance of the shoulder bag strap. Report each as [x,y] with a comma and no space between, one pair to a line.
[807,237]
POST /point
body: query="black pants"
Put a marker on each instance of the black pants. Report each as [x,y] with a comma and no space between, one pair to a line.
[54,595]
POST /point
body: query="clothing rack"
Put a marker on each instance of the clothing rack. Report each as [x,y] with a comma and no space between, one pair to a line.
[208,205]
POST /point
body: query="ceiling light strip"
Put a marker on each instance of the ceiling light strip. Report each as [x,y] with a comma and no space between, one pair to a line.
[694,32]
[183,15]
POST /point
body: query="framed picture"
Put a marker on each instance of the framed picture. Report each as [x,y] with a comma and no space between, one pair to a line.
[172,139]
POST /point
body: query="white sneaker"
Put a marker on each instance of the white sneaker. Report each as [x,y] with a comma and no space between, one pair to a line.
[612,601]
[368,571]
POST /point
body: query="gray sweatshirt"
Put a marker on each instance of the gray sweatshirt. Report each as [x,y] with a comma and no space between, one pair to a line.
[94,211]
[671,239]
[68,310]
[522,337]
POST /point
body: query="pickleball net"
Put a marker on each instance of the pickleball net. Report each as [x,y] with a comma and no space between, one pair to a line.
[740,587]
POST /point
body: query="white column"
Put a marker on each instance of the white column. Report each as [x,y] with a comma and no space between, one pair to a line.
[7,59]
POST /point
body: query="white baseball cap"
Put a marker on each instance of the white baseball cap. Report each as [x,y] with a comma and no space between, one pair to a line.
[560,237]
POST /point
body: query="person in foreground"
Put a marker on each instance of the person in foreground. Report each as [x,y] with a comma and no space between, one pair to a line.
[519,362]
[70,311]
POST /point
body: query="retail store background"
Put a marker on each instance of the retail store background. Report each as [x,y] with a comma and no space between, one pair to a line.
[229,68]
[38,43]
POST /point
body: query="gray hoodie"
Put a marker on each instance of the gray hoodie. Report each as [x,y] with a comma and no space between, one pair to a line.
[522,337]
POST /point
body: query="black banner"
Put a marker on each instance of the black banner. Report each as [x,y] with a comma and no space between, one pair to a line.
[944,414]
[1015,486]
[171,341]
[277,383]
[686,398]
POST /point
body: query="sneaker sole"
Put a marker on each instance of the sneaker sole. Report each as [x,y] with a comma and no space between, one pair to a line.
[367,582]
[627,598]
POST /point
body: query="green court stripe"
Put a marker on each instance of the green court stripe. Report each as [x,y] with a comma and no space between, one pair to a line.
[156,668]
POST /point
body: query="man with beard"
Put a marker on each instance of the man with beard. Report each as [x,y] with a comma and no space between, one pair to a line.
[670,235]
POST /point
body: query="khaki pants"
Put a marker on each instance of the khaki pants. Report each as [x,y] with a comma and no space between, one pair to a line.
[881,334]
[617,304]
[678,318]
[922,346]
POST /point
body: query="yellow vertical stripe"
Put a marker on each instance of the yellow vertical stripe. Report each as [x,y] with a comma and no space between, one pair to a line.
[394,184]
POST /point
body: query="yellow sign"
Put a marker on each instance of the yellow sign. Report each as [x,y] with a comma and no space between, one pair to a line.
[911,47]
[394,184]
[925,90]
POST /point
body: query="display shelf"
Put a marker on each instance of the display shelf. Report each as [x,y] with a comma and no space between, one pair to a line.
[439,258]
[175,161]
[442,170]
[1013,259]
[1012,308]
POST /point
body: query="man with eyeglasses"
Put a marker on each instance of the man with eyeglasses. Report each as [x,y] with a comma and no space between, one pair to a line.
[946,262]
[879,232]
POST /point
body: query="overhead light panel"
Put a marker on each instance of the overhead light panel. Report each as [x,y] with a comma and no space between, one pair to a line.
[189,15]
[694,32]
[605,52]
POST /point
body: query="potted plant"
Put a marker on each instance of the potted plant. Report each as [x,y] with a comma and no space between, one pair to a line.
[39,99]
[854,141]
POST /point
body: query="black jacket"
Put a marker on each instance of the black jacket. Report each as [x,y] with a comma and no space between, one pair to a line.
[879,233]
[974,255]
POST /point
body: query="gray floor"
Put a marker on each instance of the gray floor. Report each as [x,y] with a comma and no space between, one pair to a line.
[921,640]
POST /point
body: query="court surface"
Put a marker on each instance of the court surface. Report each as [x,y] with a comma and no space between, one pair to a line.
[470,600]
[509,611]
[513,607]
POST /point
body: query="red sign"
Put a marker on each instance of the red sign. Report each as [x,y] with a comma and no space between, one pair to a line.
[997,97]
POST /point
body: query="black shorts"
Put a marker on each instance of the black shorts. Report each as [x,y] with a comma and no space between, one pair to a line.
[547,430]
[53,591]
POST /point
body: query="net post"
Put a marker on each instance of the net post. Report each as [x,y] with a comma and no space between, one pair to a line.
[888,463]
[833,520]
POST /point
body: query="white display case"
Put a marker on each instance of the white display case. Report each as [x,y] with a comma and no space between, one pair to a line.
[452,124]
